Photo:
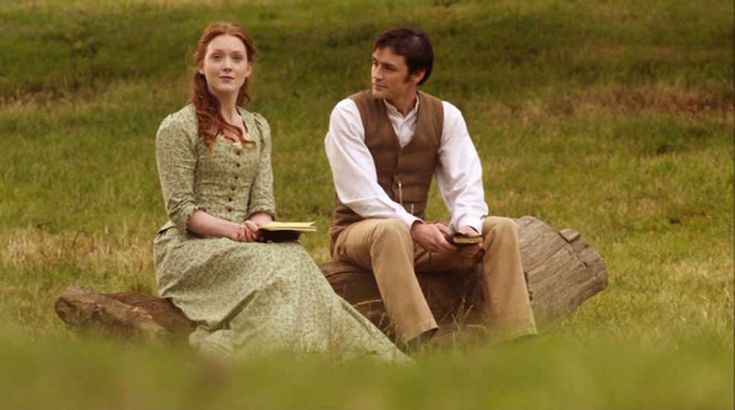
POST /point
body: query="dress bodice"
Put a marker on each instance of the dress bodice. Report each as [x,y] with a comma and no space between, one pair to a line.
[228,180]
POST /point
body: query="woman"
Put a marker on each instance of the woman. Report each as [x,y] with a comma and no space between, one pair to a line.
[214,164]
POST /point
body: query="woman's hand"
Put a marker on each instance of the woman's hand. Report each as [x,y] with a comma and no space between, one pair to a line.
[202,223]
[261,218]
[245,232]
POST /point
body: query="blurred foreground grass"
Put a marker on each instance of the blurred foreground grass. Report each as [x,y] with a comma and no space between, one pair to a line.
[545,374]
[612,118]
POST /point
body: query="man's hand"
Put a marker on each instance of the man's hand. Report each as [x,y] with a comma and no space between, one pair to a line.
[432,237]
[468,231]
[468,251]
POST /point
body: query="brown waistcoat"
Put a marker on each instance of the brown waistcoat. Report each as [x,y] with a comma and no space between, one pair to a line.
[403,173]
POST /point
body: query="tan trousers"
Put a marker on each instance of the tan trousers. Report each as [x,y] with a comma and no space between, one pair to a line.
[385,246]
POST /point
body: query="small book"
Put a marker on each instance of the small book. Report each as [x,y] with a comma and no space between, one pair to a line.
[458,239]
[285,231]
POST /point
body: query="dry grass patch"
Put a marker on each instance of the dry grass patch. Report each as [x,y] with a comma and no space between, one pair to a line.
[552,107]
[35,249]
[37,265]
[655,100]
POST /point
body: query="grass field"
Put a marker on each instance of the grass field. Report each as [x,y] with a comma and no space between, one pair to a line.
[614,118]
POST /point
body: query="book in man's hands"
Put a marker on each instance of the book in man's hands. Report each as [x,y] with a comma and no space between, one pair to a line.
[459,239]
[285,231]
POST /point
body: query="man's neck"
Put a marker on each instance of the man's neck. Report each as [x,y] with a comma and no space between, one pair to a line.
[405,103]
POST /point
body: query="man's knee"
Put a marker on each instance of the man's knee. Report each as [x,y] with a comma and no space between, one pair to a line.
[390,240]
[499,225]
[391,228]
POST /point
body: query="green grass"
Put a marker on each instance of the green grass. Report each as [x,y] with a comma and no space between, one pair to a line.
[550,374]
[613,118]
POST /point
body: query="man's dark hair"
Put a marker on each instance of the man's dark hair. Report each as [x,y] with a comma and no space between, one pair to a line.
[413,45]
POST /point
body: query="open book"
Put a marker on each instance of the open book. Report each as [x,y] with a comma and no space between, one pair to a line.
[458,239]
[285,231]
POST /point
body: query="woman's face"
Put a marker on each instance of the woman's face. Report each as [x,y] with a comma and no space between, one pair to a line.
[225,65]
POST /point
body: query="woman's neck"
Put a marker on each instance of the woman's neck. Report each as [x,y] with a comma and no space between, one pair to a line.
[227,106]
[230,114]
[228,109]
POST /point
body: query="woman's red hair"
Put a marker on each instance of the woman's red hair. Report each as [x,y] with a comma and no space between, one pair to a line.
[210,120]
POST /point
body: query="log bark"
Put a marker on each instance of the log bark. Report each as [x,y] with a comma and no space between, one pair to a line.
[562,271]
[126,315]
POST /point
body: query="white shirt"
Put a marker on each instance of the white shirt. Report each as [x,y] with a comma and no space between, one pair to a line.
[458,170]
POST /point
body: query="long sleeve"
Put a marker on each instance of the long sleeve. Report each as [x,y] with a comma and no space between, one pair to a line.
[261,193]
[353,168]
[176,162]
[459,173]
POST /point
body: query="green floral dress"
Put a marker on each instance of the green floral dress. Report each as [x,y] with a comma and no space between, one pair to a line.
[244,296]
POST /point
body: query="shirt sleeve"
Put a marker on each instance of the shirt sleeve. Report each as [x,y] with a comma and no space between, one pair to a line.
[353,168]
[261,192]
[176,162]
[459,173]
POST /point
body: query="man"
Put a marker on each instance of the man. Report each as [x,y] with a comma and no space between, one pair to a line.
[384,145]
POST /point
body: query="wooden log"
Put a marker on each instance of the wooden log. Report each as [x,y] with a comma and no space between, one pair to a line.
[562,271]
[126,315]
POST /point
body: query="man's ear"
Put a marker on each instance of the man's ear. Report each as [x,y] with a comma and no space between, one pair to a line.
[418,76]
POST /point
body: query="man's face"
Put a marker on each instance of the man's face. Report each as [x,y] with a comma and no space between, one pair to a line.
[389,75]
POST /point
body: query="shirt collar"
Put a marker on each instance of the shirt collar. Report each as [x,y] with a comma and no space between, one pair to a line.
[393,111]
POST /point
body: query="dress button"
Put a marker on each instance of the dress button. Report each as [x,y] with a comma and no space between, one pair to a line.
[232,188]
[237,177]
[237,165]
[229,199]
[229,209]
[237,152]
